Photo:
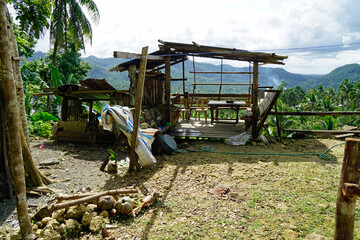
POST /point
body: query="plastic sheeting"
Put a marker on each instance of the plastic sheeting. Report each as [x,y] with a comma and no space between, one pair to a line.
[118,118]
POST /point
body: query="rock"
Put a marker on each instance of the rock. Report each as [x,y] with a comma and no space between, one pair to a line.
[53,224]
[104,233]
[106,203]
[315,236]
[72,225]
[42,213]
[50,234]
[45,220]
[104,214]
[91,208]
[3,234]
[62,229]
[49,162]
[112,168]
[35,227]
[75,212]
[85,221]
[290,234]
[95,224]
[59,215]
[14,234]
[112,213]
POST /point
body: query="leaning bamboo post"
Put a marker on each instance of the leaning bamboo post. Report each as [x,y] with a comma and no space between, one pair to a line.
[346,196]
[138,102]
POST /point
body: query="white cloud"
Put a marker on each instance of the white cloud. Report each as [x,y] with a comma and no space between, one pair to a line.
[264,25]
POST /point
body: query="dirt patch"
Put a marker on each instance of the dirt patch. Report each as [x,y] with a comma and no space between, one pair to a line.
[215,192]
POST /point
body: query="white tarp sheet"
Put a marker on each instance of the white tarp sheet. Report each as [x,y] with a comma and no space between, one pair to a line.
[121,118]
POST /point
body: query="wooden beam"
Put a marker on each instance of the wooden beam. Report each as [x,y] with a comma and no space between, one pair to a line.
[216,95]
[128,55]
[345,205]
[222,72]
[80,92]
[223,84]
[138,102]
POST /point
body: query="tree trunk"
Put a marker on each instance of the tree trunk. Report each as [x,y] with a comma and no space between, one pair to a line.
[12,123]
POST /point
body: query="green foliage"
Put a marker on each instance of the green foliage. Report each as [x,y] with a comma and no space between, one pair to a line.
[112,154]
[32,21]
[40,124]
[70,22]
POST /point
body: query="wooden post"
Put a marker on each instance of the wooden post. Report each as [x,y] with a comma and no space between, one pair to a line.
[138,103]
[167,87]
[277,121]
[345,206]
[254,92]
[183,73]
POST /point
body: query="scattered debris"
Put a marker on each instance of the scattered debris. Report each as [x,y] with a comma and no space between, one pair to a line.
[146,203]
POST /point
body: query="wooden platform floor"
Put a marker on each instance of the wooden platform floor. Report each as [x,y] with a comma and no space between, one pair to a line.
[205,130]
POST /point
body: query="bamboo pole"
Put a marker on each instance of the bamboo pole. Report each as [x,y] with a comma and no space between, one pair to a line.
[138,103]
[345,206]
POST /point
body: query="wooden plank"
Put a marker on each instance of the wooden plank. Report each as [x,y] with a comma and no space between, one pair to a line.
[138,102]
[80,92]
[344,135]
[345,205]
[221,72]
[223,84]
[128,55]
[216,95]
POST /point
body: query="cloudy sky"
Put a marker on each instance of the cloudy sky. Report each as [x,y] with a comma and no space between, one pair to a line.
[318,36]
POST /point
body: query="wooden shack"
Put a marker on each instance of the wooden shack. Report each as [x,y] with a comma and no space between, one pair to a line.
[157,90]
[75,123]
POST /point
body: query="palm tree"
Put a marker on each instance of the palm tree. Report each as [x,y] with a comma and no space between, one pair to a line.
[69,21]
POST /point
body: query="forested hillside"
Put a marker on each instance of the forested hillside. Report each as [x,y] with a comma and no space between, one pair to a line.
[334,78]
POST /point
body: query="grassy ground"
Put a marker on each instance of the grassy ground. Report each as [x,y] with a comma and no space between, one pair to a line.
[270,197]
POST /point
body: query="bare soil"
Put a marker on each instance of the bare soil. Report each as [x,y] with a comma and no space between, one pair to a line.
[207,194]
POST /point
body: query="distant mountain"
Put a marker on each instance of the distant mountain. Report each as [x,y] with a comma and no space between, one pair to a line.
[335,77]
[267,76]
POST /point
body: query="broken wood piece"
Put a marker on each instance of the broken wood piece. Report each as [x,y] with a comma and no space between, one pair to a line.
[128,55]
[344,135]
[72,197]
[147,201]
[351,189]
[57,206]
